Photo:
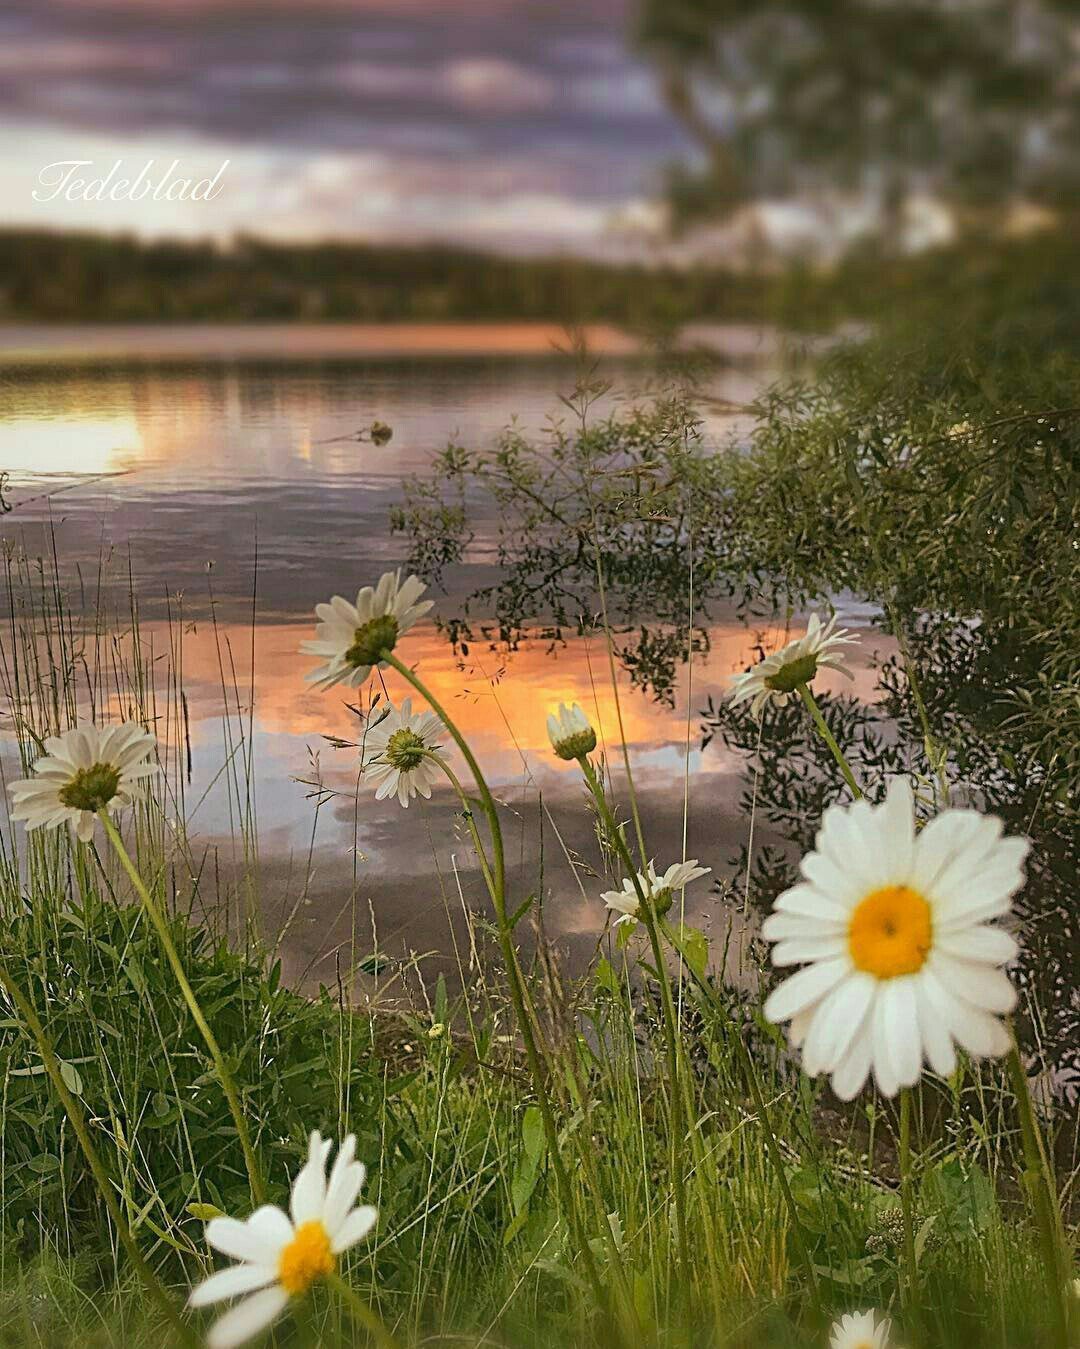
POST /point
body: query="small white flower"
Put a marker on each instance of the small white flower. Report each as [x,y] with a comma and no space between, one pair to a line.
[780,673]
[860,1330]
[281,1257]
[659,889]
[395,753]
[84,771]
[570,732]
[350,637]
[895,932]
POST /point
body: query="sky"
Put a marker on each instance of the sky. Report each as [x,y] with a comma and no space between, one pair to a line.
[526,125]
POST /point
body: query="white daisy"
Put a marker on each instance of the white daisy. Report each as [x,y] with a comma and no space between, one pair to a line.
[281,1257]
[860,1330]
[84,771]
[395,753]
[350,637]
[894,930]
[570,733]
[660,889]
[780,673]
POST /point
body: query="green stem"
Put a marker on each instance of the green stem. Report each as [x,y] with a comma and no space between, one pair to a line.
[830,740]
[82,1133]
[771,1143]
[1044,1200]
[648,917]
[518,993]
[362,1314]
[161,927]
[910,1299]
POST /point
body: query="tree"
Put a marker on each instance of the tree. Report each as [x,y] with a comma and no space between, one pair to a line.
[976,102]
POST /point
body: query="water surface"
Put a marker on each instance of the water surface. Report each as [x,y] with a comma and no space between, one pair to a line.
[232,489]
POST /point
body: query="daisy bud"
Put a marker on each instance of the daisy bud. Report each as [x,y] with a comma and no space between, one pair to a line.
[570,733]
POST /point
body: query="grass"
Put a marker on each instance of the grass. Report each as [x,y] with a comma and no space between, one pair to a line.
[479,1240]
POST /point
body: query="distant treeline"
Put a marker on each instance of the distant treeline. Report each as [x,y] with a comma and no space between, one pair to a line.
[57,276]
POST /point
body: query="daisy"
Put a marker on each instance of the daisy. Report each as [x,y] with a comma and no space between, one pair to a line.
[860,1330]
[281,1257]
[894,930]
[571,735]
[780,673]
[350,637]
[396,753]
[84,771]
[659,889]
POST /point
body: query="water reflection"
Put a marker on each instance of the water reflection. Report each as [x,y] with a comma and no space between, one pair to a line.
[237,492]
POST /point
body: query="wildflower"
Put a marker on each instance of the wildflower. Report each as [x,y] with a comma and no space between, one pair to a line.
[436,1031]
[860,1330]
[901,956]
[85,770]
[778,676]
[657,889]
[350,637]
[571,735]
[396,753]
[281,1257]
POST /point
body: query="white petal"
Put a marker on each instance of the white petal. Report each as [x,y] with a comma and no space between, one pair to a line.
[804,989]
[896,831]
[831,879]
[837,1020]
[800,950]
[897,1044]
[242,1241]
[937,1042]
[853,1070]
[231,1283]
[247,1319]
[309,1187]
[983,986]
[346,1178]
[978,1032]
[780,926]
[355,1227]
[987,945]
[808,902]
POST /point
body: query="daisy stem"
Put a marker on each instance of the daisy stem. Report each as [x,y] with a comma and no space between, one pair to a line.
[830,740]
[161,927]
[75,1114]
[519,996]
[906,1207]
[678,1125]
[361,1313]
[1040,1185]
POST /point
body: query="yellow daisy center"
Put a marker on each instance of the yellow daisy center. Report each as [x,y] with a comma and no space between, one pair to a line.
[891,932]
[306,1258]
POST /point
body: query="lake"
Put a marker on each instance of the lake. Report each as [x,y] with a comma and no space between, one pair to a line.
[220,464]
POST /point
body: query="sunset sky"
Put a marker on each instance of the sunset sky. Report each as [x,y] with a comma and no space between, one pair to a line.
[518,124]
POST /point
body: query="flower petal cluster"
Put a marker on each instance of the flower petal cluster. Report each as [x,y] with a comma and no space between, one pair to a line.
[860,1330]
[85,770]
[777,677]
[280,1255]
[896,934]
[658,889]
[396,753]
[350,637]
[570,732]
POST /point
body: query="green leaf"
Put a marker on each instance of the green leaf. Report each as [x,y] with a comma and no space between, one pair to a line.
[205,1212]
[72,1078]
